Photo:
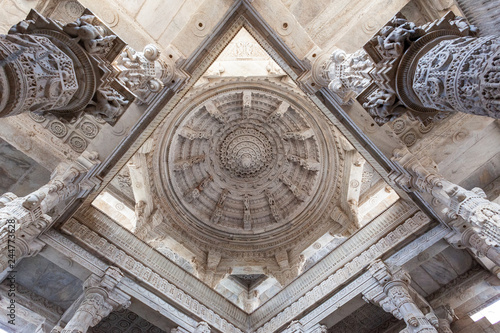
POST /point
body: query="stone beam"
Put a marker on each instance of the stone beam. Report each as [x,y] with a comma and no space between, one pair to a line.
[333,281]
[87,260]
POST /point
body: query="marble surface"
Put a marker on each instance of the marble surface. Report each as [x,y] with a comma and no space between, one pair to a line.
[19,173]
[48,280]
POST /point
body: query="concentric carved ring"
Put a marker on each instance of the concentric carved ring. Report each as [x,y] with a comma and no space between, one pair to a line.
[239,165]
[245,152]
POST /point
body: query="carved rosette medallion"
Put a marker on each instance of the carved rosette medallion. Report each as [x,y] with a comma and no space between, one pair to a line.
[245,152]
[246,163]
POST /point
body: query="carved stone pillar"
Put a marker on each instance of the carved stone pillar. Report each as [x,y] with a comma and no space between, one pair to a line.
[433,69]
[286,271]
[101,298]
[480,216]
[471,239]
[35,75]
[458,74]
[445,315]
[22,220]
[482,13]
[394,294]
[75,68]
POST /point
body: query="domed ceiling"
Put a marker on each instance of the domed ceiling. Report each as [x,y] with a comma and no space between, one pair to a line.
[245,183]
[245,167]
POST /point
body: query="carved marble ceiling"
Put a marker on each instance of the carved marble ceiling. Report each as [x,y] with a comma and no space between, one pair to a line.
[245,177]
[245,168]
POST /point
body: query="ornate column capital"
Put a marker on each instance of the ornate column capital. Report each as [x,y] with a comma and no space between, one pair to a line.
[101,297]
[393,294]
[430,70]
[348,74]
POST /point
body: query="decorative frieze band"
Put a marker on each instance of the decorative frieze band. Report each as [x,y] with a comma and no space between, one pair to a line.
[340,256]
[342,275]
[132,266]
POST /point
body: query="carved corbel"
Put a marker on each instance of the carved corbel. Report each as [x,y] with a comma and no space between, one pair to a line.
[143,73]
[446,316]
[207,270]
[317,76]
[285,271]
[202,327]
[295,327]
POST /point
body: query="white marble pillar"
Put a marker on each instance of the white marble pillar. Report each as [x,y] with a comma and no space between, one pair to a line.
[474,215]
[392,292]
[100,299]
[22,220]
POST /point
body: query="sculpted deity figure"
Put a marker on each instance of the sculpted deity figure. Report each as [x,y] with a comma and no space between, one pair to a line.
[107,103]
[392,38]
[92,36]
